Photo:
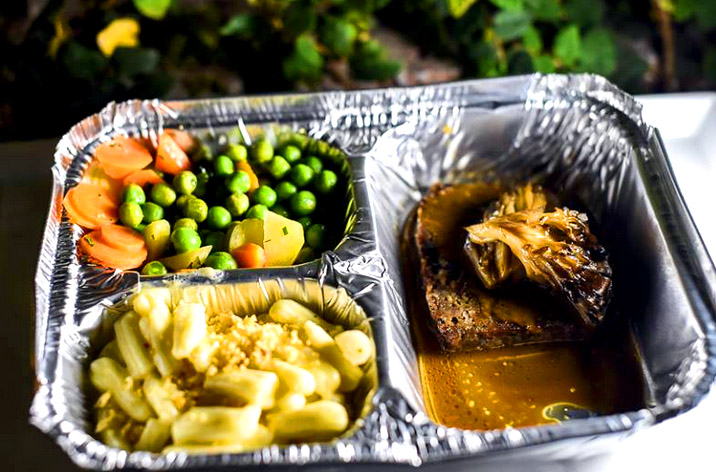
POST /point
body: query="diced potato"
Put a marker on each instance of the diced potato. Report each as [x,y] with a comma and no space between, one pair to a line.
[157,236]
[216,424]
[235,237]
[255,387]
[187,260]
[355,346]
[314,422]
[283,239]
[294,379]
[189,328]
[253,231]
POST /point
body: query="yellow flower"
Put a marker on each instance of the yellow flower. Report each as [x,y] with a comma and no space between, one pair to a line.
[62,33]
[122,32]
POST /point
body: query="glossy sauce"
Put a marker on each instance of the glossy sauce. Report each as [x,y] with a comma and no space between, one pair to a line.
[514,386]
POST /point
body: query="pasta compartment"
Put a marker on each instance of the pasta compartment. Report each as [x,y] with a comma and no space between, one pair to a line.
[245,298]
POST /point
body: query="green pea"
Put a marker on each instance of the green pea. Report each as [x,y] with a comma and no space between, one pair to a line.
[163,195]
[305,222]
[140,227]
[185,240]
[130,214]
[301,175]
[134,194]
[303,203]
[152,212]
[291,153]
[203,153]
[218,218]
[264,195]
[316,235]
[238,182]
[278,167]
[314,163]
[215,239]
[181,201]
[237,204]
[306,254]
[256,211]
[261,151]
[196,209]
[186,223]
[280,210]
[221,261]
[237,152]
[185,182]
[202,179]
[223,166]
[285,189]
[326,181]
[154,268]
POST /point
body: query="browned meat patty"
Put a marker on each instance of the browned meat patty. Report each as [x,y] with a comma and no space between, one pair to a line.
[463,314]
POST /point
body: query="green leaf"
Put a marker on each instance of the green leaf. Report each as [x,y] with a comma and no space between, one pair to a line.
[369,62]
[82,62]
[532,41]
[239,25]
[339,36]
[684,9]
[519,62]
[458,8]
[585,13]
[599,52]
[511,24]
[545,10]
[305,62]
[299,18]
[705,14]
[488,63]
[568,45]
[154,9]
[543,64]
[135,61]
[509,4]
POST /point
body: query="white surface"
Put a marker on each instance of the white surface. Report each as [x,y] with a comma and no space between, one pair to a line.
[687,123]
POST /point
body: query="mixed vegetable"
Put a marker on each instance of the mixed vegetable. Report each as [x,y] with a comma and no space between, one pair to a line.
[184,205]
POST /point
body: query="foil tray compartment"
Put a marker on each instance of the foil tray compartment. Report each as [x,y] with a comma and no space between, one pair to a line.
[577,133]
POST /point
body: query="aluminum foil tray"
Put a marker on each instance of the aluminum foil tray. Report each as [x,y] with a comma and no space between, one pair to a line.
[578,134]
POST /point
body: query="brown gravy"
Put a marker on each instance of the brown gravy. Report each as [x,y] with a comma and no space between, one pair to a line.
[511,387]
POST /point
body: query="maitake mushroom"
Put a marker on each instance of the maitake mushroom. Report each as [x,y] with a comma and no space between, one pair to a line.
[556,250]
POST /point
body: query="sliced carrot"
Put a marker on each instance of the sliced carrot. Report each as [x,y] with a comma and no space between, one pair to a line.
[143,177]
[76,216]
[122,156]
[122,237]
[92,204]
[170,157]
[253,179]
[184,140]
[97,248]
[147,143]
[96,175]
[250,256]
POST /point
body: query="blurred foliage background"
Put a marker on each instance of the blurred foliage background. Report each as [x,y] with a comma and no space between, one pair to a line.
[64,60]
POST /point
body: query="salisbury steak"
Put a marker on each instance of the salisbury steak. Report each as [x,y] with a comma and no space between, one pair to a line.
[463,314]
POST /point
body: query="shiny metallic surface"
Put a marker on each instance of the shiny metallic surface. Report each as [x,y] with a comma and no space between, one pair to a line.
[578,135]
